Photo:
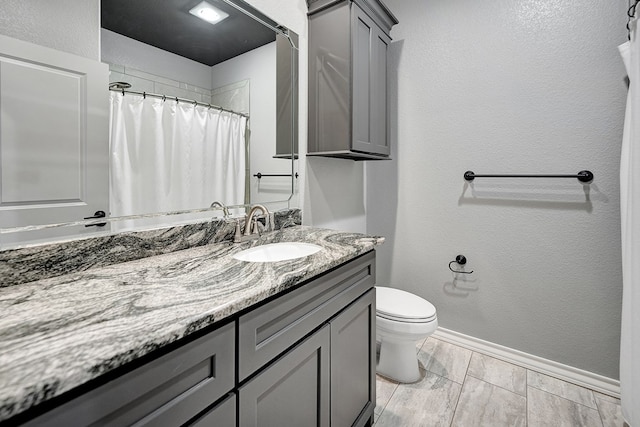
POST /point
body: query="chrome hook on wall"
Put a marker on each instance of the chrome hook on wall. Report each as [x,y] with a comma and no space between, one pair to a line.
[462,260]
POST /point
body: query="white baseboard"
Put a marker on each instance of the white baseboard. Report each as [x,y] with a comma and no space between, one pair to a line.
[580,377]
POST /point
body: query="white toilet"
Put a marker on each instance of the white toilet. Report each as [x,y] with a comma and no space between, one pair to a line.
[402,319]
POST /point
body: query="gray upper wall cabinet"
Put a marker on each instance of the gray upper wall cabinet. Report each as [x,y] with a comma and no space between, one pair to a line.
[348,103]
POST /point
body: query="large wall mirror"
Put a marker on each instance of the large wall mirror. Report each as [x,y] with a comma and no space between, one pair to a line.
[201,103]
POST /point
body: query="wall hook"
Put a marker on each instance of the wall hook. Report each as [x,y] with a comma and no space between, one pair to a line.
[462,260]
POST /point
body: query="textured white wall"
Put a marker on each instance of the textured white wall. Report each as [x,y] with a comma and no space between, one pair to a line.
[509,86]
[67,25]
[335,194]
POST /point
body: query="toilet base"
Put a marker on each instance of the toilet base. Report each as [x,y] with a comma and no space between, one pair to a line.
[398,361]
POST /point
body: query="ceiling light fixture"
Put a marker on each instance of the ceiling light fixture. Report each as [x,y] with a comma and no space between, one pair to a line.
[209,13]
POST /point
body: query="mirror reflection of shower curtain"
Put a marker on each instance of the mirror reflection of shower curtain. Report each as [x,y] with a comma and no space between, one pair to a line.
[168,156]
[237,97]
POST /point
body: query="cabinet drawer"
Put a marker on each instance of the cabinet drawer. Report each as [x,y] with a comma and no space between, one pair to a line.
[268,330]
[166,391]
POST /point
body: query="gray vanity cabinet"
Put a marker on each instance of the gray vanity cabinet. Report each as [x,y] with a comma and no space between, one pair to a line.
[306,357]
[348,100]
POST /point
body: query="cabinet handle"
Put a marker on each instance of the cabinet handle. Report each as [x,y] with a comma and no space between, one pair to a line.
[97,214]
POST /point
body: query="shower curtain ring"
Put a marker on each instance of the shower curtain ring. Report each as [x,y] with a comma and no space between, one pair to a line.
[631,12]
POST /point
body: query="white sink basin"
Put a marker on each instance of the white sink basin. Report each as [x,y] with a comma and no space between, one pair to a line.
[277,252]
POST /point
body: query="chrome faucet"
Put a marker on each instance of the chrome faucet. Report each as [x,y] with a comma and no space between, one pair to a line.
[225,211]
[249,220]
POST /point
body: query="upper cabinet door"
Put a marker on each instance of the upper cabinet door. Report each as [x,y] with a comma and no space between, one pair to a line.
[54,147]
[379,121]
[370,115]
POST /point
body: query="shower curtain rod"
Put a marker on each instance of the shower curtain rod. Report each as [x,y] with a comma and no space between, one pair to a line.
[175,98]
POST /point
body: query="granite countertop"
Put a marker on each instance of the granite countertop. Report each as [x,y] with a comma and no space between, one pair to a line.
[59,333]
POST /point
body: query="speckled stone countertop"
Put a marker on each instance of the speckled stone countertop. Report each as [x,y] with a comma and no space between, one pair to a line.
[58,333]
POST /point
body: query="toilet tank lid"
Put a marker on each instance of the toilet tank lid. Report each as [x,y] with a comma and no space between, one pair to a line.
[402,304]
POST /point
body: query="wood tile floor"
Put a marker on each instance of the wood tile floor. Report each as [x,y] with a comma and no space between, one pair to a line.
[463,388]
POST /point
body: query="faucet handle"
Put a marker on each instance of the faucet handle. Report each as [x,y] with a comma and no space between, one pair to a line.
[237,237]
[256,227]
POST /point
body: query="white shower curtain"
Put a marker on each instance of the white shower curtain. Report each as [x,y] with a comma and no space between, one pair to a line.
[169,155]
[630,215]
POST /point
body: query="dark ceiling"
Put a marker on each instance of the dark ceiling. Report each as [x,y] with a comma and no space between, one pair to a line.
[168,25]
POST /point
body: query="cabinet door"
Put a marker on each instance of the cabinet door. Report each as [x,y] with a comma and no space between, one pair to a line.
[353,384]
[370,127]
[222,415]
[379,98]
[294,391]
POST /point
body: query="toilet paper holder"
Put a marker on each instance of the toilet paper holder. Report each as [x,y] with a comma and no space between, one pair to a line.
[462,260]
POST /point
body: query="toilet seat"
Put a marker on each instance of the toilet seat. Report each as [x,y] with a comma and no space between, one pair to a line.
[400,306]
[405,320]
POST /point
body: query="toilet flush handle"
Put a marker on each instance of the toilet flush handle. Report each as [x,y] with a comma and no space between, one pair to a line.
[462,260]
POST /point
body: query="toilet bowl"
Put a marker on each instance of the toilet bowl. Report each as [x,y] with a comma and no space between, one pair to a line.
[402,319]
